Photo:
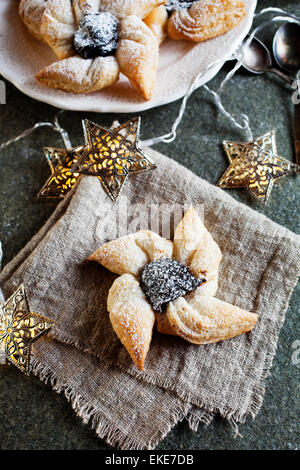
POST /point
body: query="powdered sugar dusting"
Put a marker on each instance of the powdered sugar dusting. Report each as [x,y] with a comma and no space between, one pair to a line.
[206,19]
[97,35]
[165,280]
[33,9]
[124,8]
[173,5]
[131,317]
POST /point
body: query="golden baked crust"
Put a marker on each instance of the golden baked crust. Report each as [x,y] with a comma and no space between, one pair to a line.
[131,316]
[195,247]
[58,27]
[31,12]
[123,8]
[82,7]
[80,76]
[137,55]
[203,320]
[130,254]
[206,19]
[157,21]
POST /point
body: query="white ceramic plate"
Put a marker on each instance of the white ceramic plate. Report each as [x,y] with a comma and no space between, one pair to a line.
[21,56]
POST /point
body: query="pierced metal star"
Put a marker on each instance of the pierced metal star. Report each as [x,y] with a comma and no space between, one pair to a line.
[112,154]
[62,180]
[255,166]
[19,328]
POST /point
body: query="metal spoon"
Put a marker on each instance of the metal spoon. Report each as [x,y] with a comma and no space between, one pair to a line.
[257,59]
[286,47]
[286,50]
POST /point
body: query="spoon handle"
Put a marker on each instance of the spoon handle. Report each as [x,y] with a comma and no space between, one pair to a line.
[281,75]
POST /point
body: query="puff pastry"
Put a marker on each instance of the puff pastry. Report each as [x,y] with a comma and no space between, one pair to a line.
[132,317]
[31,12]
[129,254]
[197,316]
[62,17]
[67,25]
[137,55]
[80,76]
[128,31]
[157,21]
[203,320]
[123,8]
[206,19]
[58,26]
[195,247]
[83,7]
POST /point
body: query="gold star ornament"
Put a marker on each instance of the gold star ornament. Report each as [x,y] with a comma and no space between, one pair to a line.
[19,328]
[109,154]
[255,166]
[62,180]
[112,154]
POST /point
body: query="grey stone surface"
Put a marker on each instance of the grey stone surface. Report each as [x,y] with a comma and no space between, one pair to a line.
[32,416]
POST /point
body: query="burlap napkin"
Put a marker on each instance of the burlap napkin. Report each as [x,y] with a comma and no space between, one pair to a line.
[131,409]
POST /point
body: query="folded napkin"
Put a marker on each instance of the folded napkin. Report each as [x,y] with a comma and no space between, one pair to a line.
[82,355]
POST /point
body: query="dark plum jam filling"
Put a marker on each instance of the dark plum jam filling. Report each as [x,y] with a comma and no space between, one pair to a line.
[173,5]
[97,35]
[165,280]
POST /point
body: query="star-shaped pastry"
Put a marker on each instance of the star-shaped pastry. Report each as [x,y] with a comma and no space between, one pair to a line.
[112,154]
[255,166]
[62,180]
[170,283]
[19,328]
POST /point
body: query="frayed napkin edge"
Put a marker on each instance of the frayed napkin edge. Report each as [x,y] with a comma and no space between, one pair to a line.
[97,421]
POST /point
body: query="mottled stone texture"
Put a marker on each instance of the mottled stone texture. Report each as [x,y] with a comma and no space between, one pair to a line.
[32,416]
